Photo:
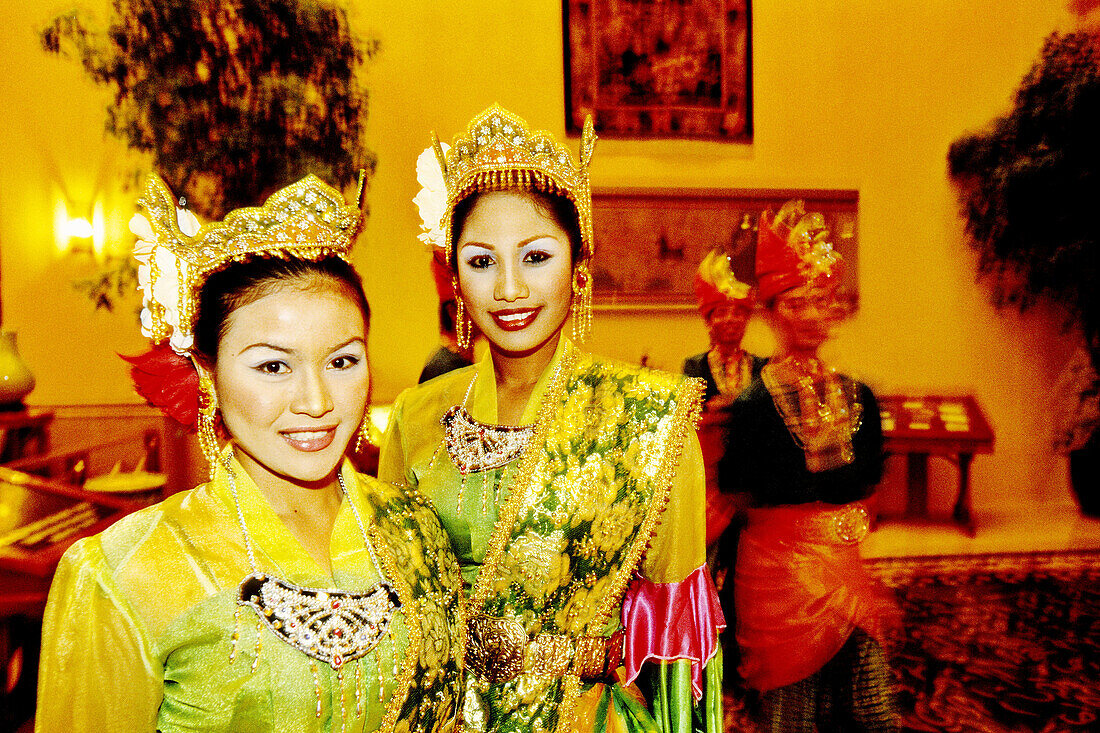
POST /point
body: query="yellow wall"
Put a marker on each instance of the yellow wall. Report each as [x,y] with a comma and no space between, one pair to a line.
[854,93]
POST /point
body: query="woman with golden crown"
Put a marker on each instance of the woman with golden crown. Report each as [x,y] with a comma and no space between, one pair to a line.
[808,451]
[571,486]
[289,592]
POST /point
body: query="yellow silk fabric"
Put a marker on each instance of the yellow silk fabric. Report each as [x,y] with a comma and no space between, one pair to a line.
[138,631]
[413,453]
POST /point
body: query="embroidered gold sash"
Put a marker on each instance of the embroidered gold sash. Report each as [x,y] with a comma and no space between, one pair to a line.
[583,506]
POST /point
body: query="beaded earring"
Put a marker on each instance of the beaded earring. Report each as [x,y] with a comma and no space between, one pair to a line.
[463,327]
[582,302]
[208,410]
[362,435]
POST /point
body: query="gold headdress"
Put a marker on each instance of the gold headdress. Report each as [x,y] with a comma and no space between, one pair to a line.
[716,285]
[308,219]
[498,152]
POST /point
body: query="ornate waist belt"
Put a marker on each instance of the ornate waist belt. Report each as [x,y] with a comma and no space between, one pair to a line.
[847,524]
[499,650]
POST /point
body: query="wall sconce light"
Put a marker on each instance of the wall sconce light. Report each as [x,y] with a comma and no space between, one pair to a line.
[74,233]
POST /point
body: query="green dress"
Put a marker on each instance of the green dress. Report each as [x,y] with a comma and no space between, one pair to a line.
[142,631]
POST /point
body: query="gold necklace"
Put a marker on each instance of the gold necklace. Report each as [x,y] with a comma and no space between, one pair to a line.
[821,411]
[477,447]
[730,382]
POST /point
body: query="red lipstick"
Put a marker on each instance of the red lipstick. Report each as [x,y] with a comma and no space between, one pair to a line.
[515,319]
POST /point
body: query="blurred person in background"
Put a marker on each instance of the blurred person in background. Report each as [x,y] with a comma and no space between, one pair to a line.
[806,447]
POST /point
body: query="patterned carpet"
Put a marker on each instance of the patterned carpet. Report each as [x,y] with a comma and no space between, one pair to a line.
[994,643]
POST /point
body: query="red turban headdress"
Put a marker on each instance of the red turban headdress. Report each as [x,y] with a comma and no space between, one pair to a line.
[792,249]
[716,285]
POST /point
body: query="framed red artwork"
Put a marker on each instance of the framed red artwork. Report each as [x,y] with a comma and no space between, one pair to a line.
[659,68]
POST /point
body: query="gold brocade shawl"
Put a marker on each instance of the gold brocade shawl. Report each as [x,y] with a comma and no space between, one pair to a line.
[139,628]
[578,513]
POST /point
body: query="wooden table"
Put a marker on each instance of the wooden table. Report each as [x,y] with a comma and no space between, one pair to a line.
[35,497]
[950,427]
[41,516]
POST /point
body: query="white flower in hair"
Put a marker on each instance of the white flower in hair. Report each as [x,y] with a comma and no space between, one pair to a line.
[188,222]
[167,289]
[432,199]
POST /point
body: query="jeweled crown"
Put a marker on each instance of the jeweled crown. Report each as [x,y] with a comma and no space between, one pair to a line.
[308,219]
[499,152]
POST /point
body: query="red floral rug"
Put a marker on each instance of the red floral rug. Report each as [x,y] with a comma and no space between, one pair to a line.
[1006,643]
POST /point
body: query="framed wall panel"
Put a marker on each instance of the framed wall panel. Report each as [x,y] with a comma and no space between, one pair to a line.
[649,242]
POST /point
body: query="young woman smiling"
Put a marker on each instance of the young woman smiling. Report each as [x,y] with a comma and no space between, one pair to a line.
[571,486]
[289,592]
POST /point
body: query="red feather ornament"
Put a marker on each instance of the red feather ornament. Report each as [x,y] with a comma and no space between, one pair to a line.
[168,382]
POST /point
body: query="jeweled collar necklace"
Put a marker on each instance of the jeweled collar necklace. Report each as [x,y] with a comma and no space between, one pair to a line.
[330,625]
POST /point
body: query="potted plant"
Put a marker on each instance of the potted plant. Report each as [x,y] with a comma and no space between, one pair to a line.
[1077,429]
[233,100]
[1029,186]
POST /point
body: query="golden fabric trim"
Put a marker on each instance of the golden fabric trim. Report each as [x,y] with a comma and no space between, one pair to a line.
[525,471]
[689,405]
[848,525]
[413,628]
[668,445]
[567,712]
[721,373]
[822,422]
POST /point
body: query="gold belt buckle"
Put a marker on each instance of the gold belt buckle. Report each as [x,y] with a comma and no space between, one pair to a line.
[550,655]
[495,647]
[597,657]
[499,650]
[852,524]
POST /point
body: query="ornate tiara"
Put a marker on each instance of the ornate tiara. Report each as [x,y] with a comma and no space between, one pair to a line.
[308,220]
[498,152]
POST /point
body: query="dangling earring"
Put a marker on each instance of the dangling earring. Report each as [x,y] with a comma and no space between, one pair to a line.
[208,410]
[463,327]
[582,302]
[362,435]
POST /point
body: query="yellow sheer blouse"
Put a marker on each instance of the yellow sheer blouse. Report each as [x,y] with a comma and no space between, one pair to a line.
[142,631]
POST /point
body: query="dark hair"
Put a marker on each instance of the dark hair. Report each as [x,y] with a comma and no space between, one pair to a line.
[246,282]
[559,209]
[447,316]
